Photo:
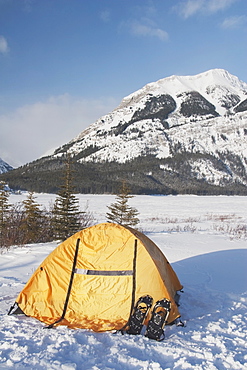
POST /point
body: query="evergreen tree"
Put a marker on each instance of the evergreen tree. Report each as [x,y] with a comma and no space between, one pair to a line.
[4,207]
[31,226]
[66,213]
[120,211]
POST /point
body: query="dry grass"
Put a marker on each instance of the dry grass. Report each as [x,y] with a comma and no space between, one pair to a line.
[229,224]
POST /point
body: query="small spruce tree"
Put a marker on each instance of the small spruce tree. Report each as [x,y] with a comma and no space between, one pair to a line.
[31,226]
[66,213]
[120,211]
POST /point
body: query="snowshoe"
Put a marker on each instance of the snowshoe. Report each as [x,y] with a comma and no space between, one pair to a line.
[158,320]
[139,314]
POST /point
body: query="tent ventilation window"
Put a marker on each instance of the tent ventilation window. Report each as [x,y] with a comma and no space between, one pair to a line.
[104,272]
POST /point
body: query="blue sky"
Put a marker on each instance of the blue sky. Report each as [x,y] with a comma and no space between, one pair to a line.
[64,63]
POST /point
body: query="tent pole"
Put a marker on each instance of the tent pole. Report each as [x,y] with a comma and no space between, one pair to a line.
[69,287]
[134,277]
[133,287]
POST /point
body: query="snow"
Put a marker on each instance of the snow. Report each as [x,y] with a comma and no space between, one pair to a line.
[205,240]
[219,137]
[174,85]
[4,167]
[195,137]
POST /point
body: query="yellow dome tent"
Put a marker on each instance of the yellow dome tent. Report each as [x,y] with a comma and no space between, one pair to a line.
[93,279]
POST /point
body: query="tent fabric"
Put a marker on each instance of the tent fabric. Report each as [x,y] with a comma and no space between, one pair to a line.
[108,277]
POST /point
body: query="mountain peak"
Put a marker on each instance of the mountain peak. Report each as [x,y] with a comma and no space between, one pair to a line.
[222,77]
[217,75]
[4,167]
[175,85]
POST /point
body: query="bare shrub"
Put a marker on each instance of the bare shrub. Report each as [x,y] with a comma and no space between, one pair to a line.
[238,231]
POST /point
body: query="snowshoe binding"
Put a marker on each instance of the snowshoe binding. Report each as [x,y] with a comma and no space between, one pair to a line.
[158,320]
[139,314]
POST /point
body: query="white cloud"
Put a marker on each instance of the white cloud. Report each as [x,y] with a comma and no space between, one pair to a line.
[148,10]
[143,22]
[28,5]
[216,5]
[32,130]
[189,8]
[146,28]
[3,45]
[234,22]
[105,16]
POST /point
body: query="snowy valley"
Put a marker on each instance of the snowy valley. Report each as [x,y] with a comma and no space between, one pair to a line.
[204,238]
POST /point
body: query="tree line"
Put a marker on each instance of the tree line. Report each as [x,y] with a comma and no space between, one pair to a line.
[29,222]
[145,175]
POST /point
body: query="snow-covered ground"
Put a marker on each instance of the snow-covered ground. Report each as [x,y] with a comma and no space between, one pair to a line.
[205,239]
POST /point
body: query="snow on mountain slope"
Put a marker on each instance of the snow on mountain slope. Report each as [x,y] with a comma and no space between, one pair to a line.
[151,119]
[196,137]
[4,167]
[205,83]
[195,114]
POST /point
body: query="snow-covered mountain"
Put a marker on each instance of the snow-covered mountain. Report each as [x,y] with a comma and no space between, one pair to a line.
[181,133]
[4,167]
[205,114]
